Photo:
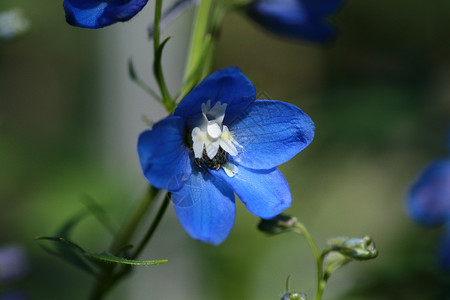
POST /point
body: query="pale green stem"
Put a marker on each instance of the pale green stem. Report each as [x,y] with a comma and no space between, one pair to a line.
[196,48]
[134,221]
[319,265]
[166,98]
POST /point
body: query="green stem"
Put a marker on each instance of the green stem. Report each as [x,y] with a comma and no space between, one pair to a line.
[319,265]
[148,235]
[106,281]
[154,225]
[157,69]
[133,223]
[196,48]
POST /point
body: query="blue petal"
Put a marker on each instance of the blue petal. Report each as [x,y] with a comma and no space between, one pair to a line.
[293,18]
[227,86]
[100,13]
[265,193]
[271,133]
[428,199]
[205,207]
[165,160]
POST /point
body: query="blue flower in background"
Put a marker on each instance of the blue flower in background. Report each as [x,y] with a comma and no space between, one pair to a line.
[429,196]
[13,263]
[100,13]
[428,202]
[219,141]
[304,19]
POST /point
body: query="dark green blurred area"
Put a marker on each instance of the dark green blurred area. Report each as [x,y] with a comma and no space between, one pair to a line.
[379,96]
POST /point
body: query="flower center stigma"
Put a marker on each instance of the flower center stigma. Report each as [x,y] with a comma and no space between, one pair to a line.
[212,141]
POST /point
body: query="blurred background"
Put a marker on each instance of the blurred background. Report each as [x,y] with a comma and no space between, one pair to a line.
[379,96]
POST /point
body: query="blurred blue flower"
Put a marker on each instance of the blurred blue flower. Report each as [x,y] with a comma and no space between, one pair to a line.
[100,13]
[303,19]
[13,263]
[428,199]
[219,141]
[428,202]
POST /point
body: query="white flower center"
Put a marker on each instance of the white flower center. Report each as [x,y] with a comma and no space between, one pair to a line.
[210,134]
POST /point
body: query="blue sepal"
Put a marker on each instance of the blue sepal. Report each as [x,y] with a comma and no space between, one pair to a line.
[100,13]
[265,193]
[228,85]
[205,207]
[428,199]
[303,19]
[271,133]
[164,158]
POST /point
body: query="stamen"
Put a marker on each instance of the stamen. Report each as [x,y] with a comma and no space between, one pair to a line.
[219,159]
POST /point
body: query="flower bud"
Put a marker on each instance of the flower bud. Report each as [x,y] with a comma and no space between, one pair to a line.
[294,296]
[354,248]
[278,224]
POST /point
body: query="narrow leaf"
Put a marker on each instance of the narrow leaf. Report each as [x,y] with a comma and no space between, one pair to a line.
[66,229]
[131,70]
[111,258]
[157,70]
[68,252]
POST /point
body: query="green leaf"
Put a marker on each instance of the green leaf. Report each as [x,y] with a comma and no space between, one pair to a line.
[131,70]
[102,256]
[66,229]
[68,251]
[111,258]
[157,70]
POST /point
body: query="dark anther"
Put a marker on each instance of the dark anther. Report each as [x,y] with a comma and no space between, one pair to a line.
[214,163]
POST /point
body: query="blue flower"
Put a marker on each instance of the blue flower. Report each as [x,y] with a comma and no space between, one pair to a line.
[100,13]
[428,202]
[428,199]
[303,19]
[219,141]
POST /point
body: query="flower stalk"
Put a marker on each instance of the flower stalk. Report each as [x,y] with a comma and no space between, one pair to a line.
[321,283]
[193,69]
[167,99]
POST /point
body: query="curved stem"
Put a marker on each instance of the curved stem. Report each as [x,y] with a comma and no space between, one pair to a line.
[106,281]
[166,98]
[320,282]
[154,225]
[197,47]
[128,231]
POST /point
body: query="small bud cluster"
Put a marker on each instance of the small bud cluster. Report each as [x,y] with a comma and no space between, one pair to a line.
[279,224]
[355,248]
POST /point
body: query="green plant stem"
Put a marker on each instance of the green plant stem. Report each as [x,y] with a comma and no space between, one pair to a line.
[167,100]
[106,281]
[128,231]
[319,262]
[149,233]
[154,225]
[196,48]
